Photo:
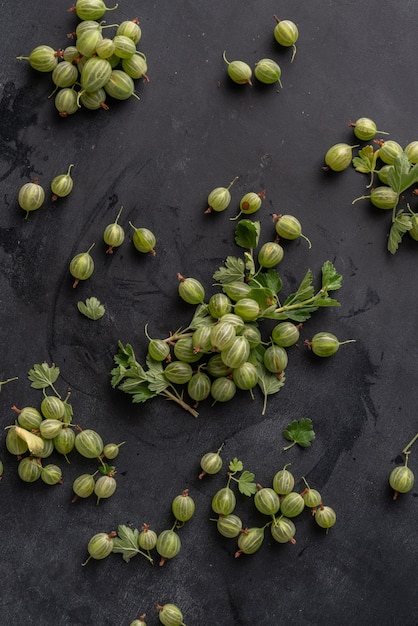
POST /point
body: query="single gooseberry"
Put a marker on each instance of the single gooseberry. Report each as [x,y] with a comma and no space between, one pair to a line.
[113,234]
[219,198]
[286,34]
[289,227]
[190,290]
[168,545]
[183,506]
[62,185]
[238,71]
[170,615]
[100,546]
[268,72]
[339,156]
[250,540]
[365,128]
[325,344]
[82,266]
[144,240]
[31,197]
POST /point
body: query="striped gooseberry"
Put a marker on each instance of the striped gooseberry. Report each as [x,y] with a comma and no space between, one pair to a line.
[382,197]
[15,444]
[178,372]
[312,497]
[250,540]
[158,349]
[275,359]
[201,339]
[113,234]
[136,66]
[66,102]
[88,443]
[184,350]
[43,58]
[190,290]
[219,304]
[131,29]
[411,151]
[283,481]
[34,442]
[51,474]
[285,334]
[247,309]
[198,387]
[147,538]
[250,203]
[237,353]
[283,530]
[65,74]
[31,197]
[91,9]
[270,254]
[268,72]
[28,417]
[236,290]
[325,344]
[120,86]
[105,486]
[105,48]
[168,545]
[62,185]
[219,198]
[140,621]
[71,54]
[383,173]
[339,156]
[82,266]
[100,546]
[252,334]
[83,486]
[223,389]
[266,500]
[87,42]
[211,463]
[111,450]
[183,506]
[401,479]
[389,150]
[216,367]
[95,74]
[52,407]
[93,100]
[235,320]
[238,71]
[222,335]
[286,34]
[245,376]
[47,448]
[292,504]
[224,501]
[289,227]
[170,615]
[50,428]
[325,517]
[124,46]
[29,469]
[365,128]
[229,525]
[64,441]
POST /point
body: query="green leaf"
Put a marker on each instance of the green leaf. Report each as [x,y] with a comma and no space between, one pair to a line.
[299,432]
[269,383]
[234,269]
[403,174]
[264,297]
[142,394]
[235,465]
[43,376]
[366,161]
[92,308]
[246,483]
[247,234]
[304,292]
[155,376]
[126,543]
[249,263]
[269,280]
[331,280]
[400,225]
[201,317]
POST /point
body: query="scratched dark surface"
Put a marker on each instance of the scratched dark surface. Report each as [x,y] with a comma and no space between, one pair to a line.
[159,157]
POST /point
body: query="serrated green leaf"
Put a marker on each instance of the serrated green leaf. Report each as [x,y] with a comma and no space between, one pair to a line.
[331,280]
[403,174]
[246,483]
[299,432]
[92,308]
[236,465]
[304,291]
[126,543]
[233,269]
[142,394]
[247,234]
[268,383]
[42,375]
[400,225]
[269,280]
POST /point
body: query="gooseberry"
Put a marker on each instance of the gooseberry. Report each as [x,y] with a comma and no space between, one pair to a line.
[268,71]
[219,198]
[113,234]
[31,197]
[325,344]
[190,290]
[286,33]
[62,185]
[339,157]
[82,266]
[238,71]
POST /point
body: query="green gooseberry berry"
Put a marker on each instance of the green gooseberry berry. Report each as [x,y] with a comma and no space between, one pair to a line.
[62,185]
[125,48]
[211,463]
[64,441]
[383,173]
[184,350]
[140,621]
[237,353]
[229,525]
[382,197]
[190,290]
[170,615]
[91,9]
[365,129]
[219,198]
[144,240]
[219,304]
[120,85]
[250,540]
[28,417]
[339,156]
[223,389]
[252,334]
[65,74]
[275,359]
[136,66]
[270,254]
[325,344]
[93,100]
[411,151]
[248,309]
[238,71]
[401,479]
[285,334]
[105,48]
[283,481]
[198,387]
[286,34]
[100,546]
[83,486]
[183,506]
[292,504]
[82,266]
[52,407]
[222,335]
[283,530]
[29,469]
[87,42]
[389,150]
[88,443]
[168,545]
[51,474]
[216,367]
[66,102]
[147,538]
[413,231]
[105,486]
[178,372]
[250,203]
[245,376]
[325,517]
[113,234]
[131,29]
[50,428]
[236,289]
[43,58]
[111,450]
[289,227]
[266,500]
[224,501]
[268,72]
[94,74]
[31,197]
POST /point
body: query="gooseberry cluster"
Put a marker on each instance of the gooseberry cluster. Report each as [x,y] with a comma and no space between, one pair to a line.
[130,542]
[396,168]
[31,195]
[280,502]
[95,66]
[266,70]
[38,432]
[401,478]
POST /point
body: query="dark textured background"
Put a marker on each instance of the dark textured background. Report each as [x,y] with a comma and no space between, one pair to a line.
[194,130]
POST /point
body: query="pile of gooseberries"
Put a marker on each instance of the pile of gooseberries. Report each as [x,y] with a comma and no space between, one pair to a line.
[396,168]
[40,432]
[96,66]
